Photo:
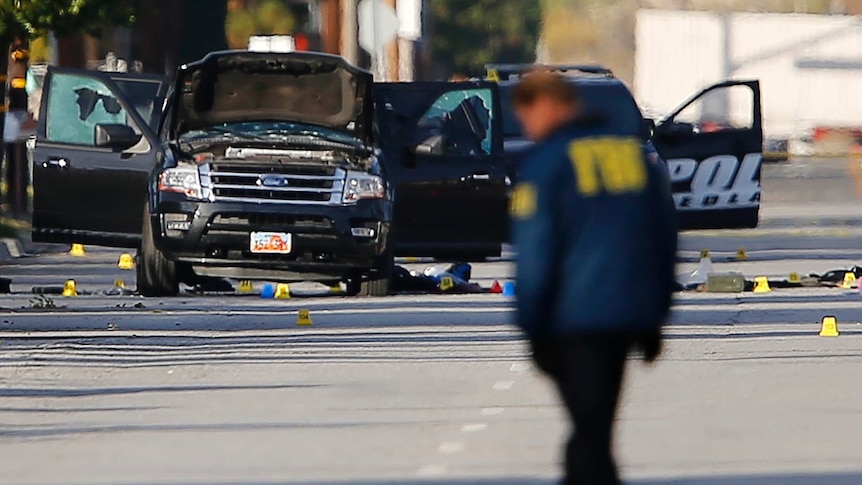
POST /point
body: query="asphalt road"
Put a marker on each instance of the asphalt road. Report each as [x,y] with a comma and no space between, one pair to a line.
[227,389]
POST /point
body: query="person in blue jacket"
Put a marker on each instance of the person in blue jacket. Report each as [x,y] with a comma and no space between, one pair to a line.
[595,235]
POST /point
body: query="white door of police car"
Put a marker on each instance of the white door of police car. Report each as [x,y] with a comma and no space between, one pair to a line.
[713,146]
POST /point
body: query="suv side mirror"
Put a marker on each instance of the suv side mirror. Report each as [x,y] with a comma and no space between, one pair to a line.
[647,128]
[116,136]
[433,145]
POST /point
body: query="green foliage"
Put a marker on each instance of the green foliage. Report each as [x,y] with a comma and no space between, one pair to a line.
[270,17]
[33,18]
[466,34]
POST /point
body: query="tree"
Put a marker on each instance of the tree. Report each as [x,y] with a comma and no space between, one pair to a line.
[466,34]
[23,20]
[26,19]
[158,30]
[268,17]
[65,17]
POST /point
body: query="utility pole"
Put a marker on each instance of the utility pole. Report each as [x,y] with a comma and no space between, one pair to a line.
[392,58]
[349,32]
[16,173]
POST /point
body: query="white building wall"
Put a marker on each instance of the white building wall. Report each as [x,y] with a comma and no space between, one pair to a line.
[679,53]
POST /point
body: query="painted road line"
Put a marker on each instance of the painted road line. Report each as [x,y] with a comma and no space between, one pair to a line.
[474,428]
[450,448]
[503,385]
[431,471]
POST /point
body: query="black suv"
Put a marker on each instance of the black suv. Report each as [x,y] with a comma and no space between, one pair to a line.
[712,144]
[269,166]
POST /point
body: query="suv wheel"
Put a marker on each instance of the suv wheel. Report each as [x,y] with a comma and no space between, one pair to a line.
[377,284]
[156,274]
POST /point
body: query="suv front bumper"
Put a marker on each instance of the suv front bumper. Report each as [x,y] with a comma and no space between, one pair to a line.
[217,239]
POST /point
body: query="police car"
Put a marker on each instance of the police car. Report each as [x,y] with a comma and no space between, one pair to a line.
[712,144]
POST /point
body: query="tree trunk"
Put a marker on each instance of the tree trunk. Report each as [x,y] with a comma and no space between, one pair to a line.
[16,173]
[70,51]
[158,29]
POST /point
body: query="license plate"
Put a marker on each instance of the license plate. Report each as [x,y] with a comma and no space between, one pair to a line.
[271,242]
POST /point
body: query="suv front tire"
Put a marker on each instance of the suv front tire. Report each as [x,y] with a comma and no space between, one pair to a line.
[156,274]
[378,283]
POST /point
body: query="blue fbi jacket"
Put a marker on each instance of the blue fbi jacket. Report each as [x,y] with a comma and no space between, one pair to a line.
[595,234]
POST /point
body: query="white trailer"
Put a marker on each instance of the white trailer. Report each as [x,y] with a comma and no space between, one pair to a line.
[809,66]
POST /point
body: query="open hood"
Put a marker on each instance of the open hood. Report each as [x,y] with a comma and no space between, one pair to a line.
[299,87]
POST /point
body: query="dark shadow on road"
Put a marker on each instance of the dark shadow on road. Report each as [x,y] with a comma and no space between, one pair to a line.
[788,479]
[740,299]
[114,391]
[278,347]
[772,479]
[742,315]
[49,431]
[738,333]
[9,409]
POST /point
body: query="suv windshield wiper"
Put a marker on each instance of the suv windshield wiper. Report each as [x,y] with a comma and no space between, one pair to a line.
[240,134]
[312,136]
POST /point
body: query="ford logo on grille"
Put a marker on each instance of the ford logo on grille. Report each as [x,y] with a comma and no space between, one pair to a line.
[272,181]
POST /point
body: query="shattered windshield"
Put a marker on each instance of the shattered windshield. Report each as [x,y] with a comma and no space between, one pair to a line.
[464,117]
[76,105]
[268,131]
[144,96]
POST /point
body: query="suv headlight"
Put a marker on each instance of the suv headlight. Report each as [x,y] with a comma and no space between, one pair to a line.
[182,180]
[361,185]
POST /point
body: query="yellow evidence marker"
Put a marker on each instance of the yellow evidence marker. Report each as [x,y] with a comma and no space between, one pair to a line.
[70,288]
[246,286]
[761,285]
[303,318]
[127,261]
[282,291]
[446,283]
[829,327]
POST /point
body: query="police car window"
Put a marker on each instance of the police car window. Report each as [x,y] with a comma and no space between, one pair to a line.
[76,105]
[142,94]
[463,118]
[721,109]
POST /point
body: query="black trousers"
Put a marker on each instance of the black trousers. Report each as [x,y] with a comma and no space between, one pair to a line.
[588,371]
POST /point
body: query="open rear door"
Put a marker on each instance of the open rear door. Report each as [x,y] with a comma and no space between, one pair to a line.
[713,145]
[443,151]
[95,147]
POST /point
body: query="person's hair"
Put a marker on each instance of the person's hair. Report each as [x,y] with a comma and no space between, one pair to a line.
[544,83]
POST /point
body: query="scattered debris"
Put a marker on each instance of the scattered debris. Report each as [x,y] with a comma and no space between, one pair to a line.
[42,302]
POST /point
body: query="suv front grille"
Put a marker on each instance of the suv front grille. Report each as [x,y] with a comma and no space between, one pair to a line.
[244,223]
[270,183]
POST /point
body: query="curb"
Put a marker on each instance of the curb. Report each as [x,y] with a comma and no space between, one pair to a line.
[10,249]
[13,248]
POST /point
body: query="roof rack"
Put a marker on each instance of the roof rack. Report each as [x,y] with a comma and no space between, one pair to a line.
[514,71]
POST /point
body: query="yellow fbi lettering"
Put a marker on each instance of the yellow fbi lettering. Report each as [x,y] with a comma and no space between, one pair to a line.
[611,164]
[524,201]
